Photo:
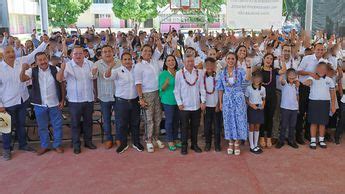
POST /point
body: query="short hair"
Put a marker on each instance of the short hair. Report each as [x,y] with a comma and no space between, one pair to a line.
[290,70]
[106,46]
[77,47]
[210,59]
[126,53]
[257,73]
[320,44]
[40,54]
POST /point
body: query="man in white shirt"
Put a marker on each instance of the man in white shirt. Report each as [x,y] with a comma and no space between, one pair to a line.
[190,96]
[47,96]
[189,40]
[79,75]
[14,95]
[126,102]
[105,94]
[305,69]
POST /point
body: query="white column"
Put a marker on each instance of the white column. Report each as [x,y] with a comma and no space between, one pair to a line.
[308,16]
[44,15]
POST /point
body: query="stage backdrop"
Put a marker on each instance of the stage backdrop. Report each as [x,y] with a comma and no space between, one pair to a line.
[254,14]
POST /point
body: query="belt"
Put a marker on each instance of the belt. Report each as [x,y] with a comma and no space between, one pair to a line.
[127,100]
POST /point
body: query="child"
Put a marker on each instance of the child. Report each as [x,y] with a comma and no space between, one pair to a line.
[255,97]
[213,115]
[288,108]
[321,94]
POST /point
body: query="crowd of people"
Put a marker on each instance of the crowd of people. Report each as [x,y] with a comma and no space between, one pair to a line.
[267,88]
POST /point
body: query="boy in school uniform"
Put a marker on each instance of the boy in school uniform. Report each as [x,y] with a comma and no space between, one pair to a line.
[288,108]
[212,113]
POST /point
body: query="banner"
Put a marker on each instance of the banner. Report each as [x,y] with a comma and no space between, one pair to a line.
[254,14]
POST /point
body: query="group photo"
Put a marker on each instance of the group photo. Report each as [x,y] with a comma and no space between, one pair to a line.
[187,92]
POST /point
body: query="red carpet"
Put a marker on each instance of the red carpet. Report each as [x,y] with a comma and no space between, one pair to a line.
[103,171]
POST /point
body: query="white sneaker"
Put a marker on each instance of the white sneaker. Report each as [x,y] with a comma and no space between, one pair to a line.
[160,144]
[149,147]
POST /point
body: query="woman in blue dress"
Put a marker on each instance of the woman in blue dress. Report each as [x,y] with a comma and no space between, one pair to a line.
[232,102]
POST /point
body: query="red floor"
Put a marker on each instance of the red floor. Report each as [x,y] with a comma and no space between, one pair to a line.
[103,171]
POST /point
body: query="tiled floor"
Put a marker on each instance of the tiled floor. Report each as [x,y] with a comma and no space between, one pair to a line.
[103,171]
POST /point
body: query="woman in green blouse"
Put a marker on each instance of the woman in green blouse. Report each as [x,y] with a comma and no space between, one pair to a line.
[166,93]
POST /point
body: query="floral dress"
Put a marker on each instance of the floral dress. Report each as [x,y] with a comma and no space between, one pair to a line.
[234,105]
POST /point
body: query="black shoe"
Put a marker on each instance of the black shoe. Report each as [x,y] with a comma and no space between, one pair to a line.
[279,144]
[76,150]
[207,147]
[196,148]
[259,150]
[337,141]
[138,147]
[300,141]
[293,144]
[7,155]
[217,148]
[322,144]
[312,145]
[122,148]
[90,145]
[27,149]
[184,150]
[256,150]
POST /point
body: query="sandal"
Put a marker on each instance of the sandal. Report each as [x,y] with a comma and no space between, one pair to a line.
[312,145]
[262,142]
[231,148]
[160,145]
[237,150]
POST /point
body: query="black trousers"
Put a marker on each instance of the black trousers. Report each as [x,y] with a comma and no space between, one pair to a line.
[190,122]
[270,106]
[212,117]
[287,123]
[129,119]
[80,110]
[341,124]
[302,116]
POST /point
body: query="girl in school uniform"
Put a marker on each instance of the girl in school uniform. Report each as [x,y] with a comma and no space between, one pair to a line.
[321,98]
[255,98]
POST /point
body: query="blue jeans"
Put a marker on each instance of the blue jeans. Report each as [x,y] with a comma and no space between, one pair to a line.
[18,115]
[77,111]
[171,121]
[107,109]
[43,115]
[129,119]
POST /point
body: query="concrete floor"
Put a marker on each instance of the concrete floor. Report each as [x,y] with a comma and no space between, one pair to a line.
[103,171]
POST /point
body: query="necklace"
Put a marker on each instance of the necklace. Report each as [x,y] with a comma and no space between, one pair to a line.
[214,84]
[173,74]
[196,79]
[226,74]
[268,83]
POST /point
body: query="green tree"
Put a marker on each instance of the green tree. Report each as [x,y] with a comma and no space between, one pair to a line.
[137,10]
[66,12]
[295,8]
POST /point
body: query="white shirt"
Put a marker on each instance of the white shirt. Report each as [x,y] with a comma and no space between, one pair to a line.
[308,64]
[79,81]
[189,42]
[12,90]
[211,99]
[147,73]
[289,98]
[319,89]
[124,82]
[47,87]
[186,95]
[291,63]
[343,99]
[255,96]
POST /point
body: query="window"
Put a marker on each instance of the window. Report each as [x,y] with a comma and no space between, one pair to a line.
[102,20]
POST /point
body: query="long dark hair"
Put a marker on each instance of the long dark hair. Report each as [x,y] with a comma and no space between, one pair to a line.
[165,67]
[238,48]
[263,59]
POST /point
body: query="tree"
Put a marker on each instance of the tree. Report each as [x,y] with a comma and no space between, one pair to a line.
[64,13]
[209,12]
[137,10]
